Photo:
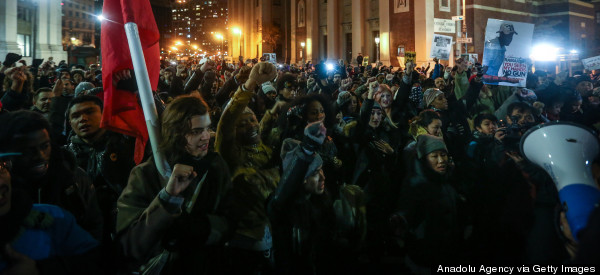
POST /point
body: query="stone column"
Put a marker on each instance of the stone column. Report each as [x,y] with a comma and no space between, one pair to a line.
[423,29]
[312,31]
[49,31]
[358,28]
[8,27]
[333,30]
[293,15]
[248,28]
[384,31]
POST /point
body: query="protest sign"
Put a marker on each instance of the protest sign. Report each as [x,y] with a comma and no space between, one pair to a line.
[444,25]
[410,56]
[592,63]
[506,50]
[441,46]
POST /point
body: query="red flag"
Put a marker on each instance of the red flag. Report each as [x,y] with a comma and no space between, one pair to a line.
[122,110]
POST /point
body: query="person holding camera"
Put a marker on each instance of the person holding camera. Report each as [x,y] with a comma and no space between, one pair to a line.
[523,201]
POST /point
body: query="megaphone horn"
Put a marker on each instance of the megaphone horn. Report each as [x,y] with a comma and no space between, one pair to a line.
[566,151]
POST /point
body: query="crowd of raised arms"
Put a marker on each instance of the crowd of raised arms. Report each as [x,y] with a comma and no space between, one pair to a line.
[328,168]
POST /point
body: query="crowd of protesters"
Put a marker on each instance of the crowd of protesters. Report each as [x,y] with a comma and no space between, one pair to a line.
[279,169]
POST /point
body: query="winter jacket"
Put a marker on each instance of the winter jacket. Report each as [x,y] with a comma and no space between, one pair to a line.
[303,223]
[255,175]
[149,226]
[13,101]
[67,186]
[431,208]
[108,162]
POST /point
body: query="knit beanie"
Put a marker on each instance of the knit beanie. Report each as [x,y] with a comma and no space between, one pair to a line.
[82,87]
[291,149]
[430,95]
[427,144]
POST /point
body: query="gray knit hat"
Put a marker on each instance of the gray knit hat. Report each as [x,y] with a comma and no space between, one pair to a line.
[82,87]
[427,144]
[290,150]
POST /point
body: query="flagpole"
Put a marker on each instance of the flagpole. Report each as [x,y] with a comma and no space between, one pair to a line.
[145,92]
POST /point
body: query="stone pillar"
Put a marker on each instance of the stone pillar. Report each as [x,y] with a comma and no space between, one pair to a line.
[293,18]
[8,27]
[312,31]
[49,31]
[333,30]
[358,28]
[423,29]
[384,31]
[248,28]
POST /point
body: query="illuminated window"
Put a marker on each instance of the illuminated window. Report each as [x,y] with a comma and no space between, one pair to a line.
[24,43]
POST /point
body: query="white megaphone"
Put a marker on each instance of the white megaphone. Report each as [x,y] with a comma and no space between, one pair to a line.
[566,151]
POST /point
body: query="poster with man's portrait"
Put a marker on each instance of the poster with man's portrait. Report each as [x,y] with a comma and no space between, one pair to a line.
[505,53]
[441,46]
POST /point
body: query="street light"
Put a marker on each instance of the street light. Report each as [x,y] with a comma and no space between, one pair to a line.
[377,43]
[220,36]
[302,44]
[238,31]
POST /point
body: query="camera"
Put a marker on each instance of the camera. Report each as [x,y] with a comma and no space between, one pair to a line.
[513,132]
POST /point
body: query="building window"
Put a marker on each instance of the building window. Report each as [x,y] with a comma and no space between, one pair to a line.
[24,42]
[301,14]
[23,14]
[445,5]
[70,24]
[598,17]
[583,24]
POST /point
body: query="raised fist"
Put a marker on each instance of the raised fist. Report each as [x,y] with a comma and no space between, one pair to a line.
[261,72]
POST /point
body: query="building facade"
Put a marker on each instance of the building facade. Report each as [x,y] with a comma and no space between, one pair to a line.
[31,28]
[258,27]
[340,29]
[78,23]
[197,24]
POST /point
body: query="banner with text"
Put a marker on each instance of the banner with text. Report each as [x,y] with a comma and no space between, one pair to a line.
[505,52]
[441,46]
[444,25]
[592,63]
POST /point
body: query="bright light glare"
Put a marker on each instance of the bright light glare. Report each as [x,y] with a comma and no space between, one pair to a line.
[73,38]
[573,51]
[174,48]
[302,44]
[173,63]
[237,31]
[544,52]
[178,43]
[329,67]
[100,17]
[376,40]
